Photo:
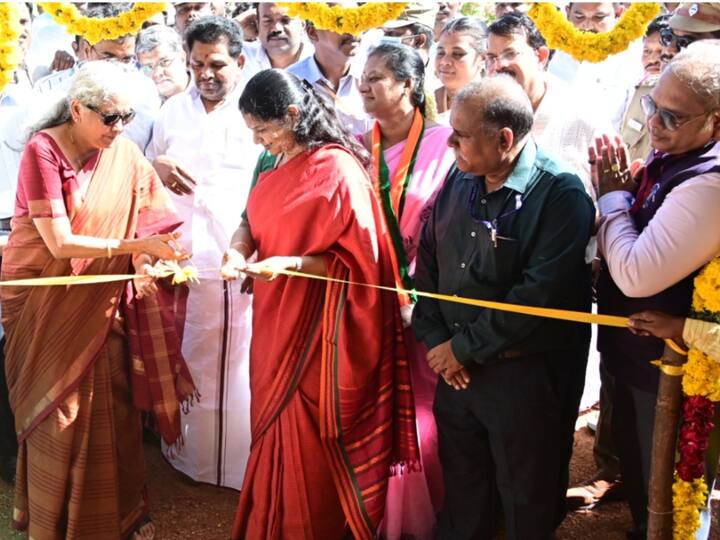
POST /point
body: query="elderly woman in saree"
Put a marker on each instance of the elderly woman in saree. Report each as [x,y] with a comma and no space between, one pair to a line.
[88,203]
[331,409]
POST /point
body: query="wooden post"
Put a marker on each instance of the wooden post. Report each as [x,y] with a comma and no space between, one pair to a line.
[668,410]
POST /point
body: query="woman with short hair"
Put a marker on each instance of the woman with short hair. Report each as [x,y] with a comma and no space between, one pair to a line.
[87,203]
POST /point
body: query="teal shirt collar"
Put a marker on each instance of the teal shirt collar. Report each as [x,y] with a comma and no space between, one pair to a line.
[522,174]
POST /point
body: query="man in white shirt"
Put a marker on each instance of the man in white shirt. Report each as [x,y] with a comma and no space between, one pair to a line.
[162,58]
[605,84]
[562,126]
[334,71]
[205,155]
[654,238]
[282,41]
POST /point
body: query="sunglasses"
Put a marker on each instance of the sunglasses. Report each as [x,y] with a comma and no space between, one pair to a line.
[110,119]
[670,120]
[667,38]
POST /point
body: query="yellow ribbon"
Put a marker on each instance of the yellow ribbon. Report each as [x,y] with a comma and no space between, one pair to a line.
[165,269]
[190,273]
[561,314]
[669,369]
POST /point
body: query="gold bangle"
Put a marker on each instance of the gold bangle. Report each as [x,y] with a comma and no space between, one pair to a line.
[109,248]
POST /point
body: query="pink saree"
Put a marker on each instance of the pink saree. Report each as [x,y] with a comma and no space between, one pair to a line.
[414,498]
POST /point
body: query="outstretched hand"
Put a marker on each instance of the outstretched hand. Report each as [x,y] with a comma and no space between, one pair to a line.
[657,324]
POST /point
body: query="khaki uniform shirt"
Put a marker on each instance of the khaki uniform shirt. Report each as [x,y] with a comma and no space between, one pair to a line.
[634,129]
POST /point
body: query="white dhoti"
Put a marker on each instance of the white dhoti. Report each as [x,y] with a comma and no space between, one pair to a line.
[217,149]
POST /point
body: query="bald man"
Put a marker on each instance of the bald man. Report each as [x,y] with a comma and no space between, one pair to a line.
[510,224]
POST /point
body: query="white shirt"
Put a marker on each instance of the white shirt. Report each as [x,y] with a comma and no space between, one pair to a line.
[146,100]
[11,144]
[566,128]
[347,101]
[603,84]
[217,149]
[257,59]
[681,237]
[48,37]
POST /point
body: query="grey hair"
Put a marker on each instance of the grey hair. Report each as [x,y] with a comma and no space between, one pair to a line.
[94,84]
[698,66]
[154,36]
[500,103]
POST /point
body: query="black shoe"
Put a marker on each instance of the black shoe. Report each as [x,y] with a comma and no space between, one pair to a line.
[7,469]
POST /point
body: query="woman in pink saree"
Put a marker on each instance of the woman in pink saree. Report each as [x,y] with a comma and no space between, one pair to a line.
[410,159]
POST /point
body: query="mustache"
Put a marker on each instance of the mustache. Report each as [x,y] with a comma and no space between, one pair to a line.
[276,34]
[507,71]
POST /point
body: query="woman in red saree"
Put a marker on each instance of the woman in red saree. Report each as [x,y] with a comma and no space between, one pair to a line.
[87,203]
[331,408]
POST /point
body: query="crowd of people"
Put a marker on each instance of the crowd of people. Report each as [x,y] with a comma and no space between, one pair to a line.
[444,153]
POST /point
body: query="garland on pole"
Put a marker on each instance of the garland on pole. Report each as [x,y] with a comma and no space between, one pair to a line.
[701,385]
[10,30]
[95,30]
[588,46]
[346,20]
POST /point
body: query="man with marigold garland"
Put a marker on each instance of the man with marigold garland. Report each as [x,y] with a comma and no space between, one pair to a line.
[606,83]
[646,219]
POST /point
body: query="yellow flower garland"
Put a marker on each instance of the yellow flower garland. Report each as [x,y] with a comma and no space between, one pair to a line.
[561,34]
[10,30]
[350,20]
[702,374]
[701,377]
[687,498]
[95,30]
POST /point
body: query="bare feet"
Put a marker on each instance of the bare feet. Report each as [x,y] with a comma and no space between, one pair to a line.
[146,531]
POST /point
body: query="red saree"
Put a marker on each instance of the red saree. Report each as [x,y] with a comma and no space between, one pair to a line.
[80,468]
[331,407]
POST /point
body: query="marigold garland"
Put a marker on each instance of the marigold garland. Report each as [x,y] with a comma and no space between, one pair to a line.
[561,34]
[701,385]
[95,30]
[346,20]
[10,30]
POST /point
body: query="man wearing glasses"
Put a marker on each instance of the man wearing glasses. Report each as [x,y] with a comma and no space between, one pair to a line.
[690,22]
[122,51]
[510,225]
[162,58]
[654,237]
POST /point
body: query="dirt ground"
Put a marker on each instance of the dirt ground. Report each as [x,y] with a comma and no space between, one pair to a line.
[185,510]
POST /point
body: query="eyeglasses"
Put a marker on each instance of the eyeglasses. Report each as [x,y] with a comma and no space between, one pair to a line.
[163,63]
[668,37]
[110,119]
[507,56]
[670,120]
